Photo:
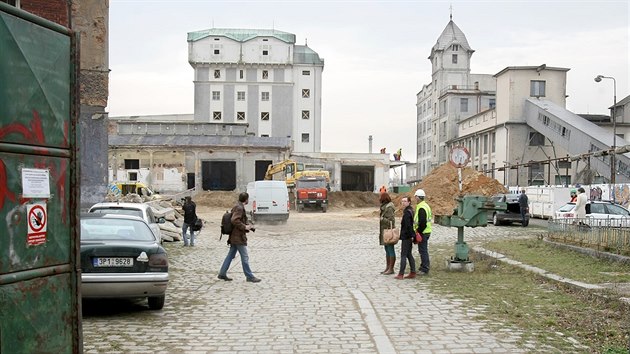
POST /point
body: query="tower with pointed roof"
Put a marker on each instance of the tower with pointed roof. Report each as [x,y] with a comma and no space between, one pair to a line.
[452,95]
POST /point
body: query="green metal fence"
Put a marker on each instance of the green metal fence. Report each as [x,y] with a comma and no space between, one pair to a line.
[604,236]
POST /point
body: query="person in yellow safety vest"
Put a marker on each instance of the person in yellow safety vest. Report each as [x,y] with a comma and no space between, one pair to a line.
[422,221]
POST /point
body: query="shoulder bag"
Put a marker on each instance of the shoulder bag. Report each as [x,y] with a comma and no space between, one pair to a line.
[391,235]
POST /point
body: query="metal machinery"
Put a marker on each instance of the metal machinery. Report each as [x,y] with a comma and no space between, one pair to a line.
[292,171]
[471,211]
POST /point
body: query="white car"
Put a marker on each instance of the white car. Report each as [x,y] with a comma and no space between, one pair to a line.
[598,213]
[140,210]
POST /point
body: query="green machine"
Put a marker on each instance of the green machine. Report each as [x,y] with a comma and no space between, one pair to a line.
[471,211]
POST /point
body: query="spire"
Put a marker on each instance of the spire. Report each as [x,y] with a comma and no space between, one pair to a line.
[451,10]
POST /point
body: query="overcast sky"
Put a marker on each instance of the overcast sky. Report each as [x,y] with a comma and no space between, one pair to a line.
[375,54]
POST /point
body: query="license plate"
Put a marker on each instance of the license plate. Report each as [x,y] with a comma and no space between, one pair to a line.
[112,262]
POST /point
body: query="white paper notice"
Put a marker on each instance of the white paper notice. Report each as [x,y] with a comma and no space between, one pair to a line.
[35,183]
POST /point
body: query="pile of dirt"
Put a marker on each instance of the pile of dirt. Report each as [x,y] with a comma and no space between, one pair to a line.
[351,199]
[441,187]
[216,199]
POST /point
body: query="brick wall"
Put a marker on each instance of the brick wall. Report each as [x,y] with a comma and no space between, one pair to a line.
[53,10]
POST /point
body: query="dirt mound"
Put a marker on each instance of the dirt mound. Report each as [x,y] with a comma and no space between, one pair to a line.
[216,199]
[441,187]
[351,199]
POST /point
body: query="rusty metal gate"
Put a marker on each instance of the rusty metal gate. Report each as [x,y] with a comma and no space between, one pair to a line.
[39,293]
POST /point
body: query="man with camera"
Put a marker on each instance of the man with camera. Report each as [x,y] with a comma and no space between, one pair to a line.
[238,240]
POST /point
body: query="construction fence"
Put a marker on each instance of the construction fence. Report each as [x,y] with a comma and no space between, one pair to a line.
[608,235]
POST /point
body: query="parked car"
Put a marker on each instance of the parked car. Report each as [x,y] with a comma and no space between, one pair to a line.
[121,258]
[512,214]
[268,201]
[598,213]
[140,210]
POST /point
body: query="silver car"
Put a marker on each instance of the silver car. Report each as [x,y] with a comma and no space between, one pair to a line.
[140,210]
[120,258]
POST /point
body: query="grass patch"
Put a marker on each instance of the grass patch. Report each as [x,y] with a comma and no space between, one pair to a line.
[561,261]
[557,317]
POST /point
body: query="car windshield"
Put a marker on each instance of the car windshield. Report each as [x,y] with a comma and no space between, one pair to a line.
[115,229]
[117,210]
[567,207]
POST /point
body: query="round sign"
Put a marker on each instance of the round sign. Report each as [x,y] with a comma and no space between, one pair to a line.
[459,156]
[37,218]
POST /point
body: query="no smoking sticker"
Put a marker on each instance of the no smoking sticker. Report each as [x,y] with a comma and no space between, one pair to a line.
[37,219]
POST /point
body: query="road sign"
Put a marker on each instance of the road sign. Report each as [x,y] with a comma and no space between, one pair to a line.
[37,219]
[459,156]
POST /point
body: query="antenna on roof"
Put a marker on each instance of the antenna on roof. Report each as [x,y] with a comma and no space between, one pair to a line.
[306,42]
[451,11]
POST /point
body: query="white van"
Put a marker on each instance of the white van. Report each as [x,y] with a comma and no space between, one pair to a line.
[268,200]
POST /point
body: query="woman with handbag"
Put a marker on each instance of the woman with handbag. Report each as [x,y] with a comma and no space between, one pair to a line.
[406,240]
[387,221]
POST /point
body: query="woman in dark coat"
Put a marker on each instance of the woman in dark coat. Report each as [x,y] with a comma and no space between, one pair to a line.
[387,221]
[406,240]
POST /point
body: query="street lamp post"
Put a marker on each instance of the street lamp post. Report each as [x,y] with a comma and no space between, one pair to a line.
[613,173]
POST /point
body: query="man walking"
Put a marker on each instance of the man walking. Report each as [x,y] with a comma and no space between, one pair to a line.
[190,216]
[523,203]
[238,240]
[422,221]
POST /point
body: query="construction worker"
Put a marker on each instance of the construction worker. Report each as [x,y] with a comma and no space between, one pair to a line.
[422,221]
[383,189]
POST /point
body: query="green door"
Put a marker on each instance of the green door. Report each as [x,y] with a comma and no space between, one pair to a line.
[39,294]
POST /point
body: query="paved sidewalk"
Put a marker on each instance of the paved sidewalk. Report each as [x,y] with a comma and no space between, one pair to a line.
[321,292]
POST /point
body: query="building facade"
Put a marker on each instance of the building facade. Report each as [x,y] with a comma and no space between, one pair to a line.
[258,77]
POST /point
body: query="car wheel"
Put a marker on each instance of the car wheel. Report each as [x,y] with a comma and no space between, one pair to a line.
[300,208]
[495,220]
[157,302]
[323,209]
[526,223]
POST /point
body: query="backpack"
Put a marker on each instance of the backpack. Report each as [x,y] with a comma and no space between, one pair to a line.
[197,225]
[226,224]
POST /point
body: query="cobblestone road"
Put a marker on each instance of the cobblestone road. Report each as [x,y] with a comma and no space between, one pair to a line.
[321,292]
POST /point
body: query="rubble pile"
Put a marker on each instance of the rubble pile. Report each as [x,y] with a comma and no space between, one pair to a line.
[441,187]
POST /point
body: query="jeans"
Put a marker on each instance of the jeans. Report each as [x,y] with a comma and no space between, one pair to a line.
[242,250]
[406,246]
[390,251]
[423,249]
[185,227]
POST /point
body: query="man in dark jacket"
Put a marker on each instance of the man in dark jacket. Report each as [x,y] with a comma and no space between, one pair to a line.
[238,240]
[190,216]
[523,203]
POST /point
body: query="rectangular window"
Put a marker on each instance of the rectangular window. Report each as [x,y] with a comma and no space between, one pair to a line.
[454,58]
[216,51]
[492,103]
[455,47]
[493,141]
[240,115]
[216,95]
[537,88]
[265,74]
[463,105]
[443,107]
[306,114]
[264,115]
[264,96]
[306,93]
[305,137]
[132,164]
[306,72]
[564,164]
[216,115]
[265,52]
[536,139]
[240,95]
[217,74]
[240,74]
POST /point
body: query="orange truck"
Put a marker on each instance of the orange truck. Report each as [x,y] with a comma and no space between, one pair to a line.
[311,192]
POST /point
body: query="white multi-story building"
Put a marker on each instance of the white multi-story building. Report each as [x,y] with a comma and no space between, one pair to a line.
[452,95]
[258,77]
